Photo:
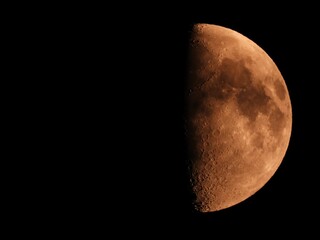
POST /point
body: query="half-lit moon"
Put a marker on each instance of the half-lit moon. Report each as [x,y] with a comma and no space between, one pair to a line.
[239,117]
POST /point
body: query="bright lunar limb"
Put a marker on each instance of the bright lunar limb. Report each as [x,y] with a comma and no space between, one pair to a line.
[239,117]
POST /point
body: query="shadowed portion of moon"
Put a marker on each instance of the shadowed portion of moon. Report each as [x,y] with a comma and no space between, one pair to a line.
[238,117]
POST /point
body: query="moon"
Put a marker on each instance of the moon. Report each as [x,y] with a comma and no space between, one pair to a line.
[238,118]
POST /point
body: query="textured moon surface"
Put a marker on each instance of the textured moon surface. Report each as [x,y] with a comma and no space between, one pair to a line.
[239,117]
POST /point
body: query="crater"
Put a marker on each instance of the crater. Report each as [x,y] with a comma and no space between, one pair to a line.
[199,105]
[199,66]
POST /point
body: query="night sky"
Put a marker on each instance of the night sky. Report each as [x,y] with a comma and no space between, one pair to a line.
[112,86]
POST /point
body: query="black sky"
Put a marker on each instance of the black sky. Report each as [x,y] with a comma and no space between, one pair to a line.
[111,100]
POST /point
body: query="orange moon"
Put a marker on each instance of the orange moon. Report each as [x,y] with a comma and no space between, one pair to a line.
[239,117]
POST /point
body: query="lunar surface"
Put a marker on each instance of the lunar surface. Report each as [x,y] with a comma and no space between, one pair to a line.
[238,120]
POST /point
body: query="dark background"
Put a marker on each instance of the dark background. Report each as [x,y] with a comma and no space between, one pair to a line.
[105,110]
